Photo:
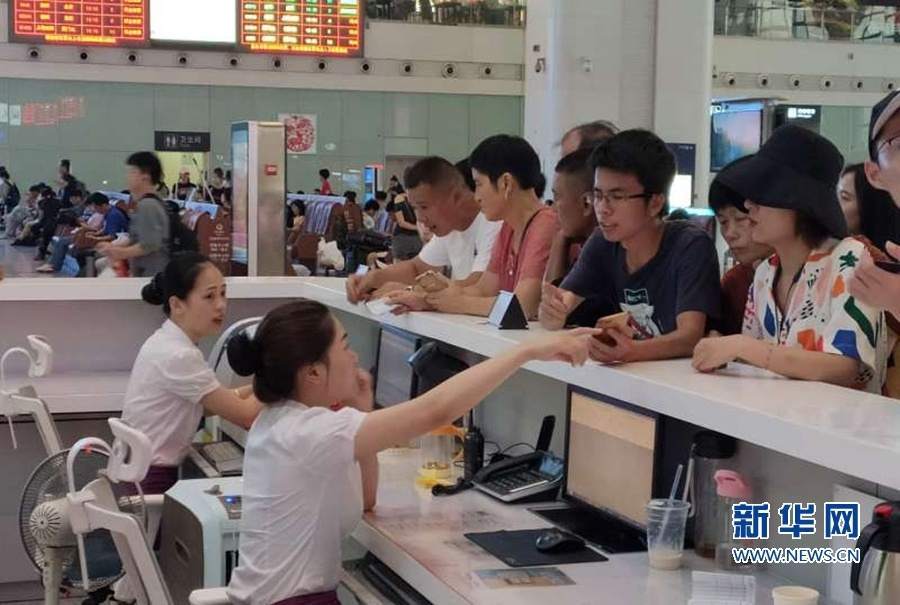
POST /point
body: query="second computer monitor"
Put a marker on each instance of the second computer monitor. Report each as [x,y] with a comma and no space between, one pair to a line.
[611,456]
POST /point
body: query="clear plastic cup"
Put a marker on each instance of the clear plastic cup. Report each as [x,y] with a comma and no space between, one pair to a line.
[665,532]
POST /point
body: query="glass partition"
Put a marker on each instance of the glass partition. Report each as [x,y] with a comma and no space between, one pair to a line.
[499,13]
[843,20]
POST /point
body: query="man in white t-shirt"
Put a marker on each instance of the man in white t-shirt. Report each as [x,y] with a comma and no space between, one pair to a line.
[463,237]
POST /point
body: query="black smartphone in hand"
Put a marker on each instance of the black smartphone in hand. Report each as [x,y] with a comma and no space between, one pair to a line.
[888,265]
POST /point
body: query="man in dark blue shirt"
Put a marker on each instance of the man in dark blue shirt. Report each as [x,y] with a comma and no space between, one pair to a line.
[665,275]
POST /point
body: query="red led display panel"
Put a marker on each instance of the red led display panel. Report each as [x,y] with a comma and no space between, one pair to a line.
[77,22]
[306,27]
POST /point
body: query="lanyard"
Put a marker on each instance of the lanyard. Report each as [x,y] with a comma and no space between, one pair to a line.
[514,270]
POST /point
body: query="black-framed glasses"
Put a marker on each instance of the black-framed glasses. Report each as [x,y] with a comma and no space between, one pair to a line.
[614,198]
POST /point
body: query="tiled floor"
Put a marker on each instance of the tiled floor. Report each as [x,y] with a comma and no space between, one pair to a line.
[18,261]
[27,593]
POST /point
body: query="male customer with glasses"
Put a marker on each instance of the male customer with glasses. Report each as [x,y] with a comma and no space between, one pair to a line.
[665,275]
[872,284]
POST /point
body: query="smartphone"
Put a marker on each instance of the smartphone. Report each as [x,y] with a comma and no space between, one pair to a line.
[889,266]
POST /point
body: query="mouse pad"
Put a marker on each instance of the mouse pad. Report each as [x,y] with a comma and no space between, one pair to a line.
[517,549]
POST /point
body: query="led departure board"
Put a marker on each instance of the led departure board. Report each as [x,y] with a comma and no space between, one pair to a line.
[309,27]
[89,22]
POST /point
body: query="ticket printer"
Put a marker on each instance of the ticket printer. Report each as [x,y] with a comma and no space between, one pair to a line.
[199,534]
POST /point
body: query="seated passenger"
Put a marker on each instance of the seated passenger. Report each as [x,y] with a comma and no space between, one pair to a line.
[171,384]
[310,464]
[463,237]
[370,211]
[735,225]
[508,185]
[665,275]
[800,320]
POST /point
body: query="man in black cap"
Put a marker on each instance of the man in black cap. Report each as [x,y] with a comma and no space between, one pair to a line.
[872,284]
[800,320]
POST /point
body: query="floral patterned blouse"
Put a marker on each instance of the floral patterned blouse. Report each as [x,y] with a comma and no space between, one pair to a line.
[821,314]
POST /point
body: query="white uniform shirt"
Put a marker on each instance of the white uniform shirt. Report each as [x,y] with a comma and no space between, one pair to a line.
[465,252]
[169,378]
[302,497]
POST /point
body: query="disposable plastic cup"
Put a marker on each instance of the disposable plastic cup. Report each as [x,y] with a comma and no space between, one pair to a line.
[795,595]
[665,532]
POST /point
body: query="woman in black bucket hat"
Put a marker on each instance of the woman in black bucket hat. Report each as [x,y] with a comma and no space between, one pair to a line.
[800,321]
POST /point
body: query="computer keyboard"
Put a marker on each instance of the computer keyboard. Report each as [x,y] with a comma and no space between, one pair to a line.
[225,456]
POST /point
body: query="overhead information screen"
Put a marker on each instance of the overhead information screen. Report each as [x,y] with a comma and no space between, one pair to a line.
[194,21]
[88,22]
[308,27]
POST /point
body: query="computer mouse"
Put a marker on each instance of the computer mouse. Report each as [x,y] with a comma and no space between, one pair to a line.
[556,541]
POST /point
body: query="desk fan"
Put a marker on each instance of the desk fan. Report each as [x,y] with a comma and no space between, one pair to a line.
[68,560]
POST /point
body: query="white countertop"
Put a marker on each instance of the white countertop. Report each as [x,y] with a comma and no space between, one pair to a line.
[421,538]
[79,392]
[841,429]
[845,430]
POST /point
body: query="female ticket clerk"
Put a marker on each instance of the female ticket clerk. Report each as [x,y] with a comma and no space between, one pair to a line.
[310,466]
[171,384]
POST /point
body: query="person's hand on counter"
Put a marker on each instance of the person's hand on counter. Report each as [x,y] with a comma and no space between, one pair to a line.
[570,346]
[716,351]
[448,300]
[407,300]
[876,287]
[359,287]
[388,288]
[616,346]
[556,304]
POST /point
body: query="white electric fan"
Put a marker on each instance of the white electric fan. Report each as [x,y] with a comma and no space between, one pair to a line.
[56,516]
[25,401]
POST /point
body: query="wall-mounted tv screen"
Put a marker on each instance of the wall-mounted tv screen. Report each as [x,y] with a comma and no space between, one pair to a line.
[736,130]
[197,22]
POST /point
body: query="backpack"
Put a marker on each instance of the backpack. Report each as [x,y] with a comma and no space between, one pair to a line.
[181,239]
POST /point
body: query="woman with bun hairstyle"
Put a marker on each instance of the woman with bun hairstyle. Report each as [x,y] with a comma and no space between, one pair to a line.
[310,466]
[171,384]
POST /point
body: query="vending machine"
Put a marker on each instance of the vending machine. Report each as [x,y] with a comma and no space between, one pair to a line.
[258,183]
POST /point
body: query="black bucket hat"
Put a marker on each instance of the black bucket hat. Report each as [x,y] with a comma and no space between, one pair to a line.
[796,169]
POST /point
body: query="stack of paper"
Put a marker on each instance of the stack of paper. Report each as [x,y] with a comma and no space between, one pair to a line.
[722,589]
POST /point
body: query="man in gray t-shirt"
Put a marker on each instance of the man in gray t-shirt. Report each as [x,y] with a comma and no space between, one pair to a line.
[149,228]
[148,252]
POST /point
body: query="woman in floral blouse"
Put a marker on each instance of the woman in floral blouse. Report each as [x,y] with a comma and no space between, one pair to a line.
[800,321]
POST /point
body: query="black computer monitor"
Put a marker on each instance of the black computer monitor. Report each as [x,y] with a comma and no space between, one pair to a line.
[612,455]
[395,381]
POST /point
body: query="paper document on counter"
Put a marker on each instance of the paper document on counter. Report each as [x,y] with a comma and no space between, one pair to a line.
[535,577]
[722,589]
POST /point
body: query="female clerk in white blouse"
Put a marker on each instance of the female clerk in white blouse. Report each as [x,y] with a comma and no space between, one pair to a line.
[310,466]
[171,384]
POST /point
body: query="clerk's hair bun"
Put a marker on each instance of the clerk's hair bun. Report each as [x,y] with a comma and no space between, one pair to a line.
[244,355]
[153,292]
